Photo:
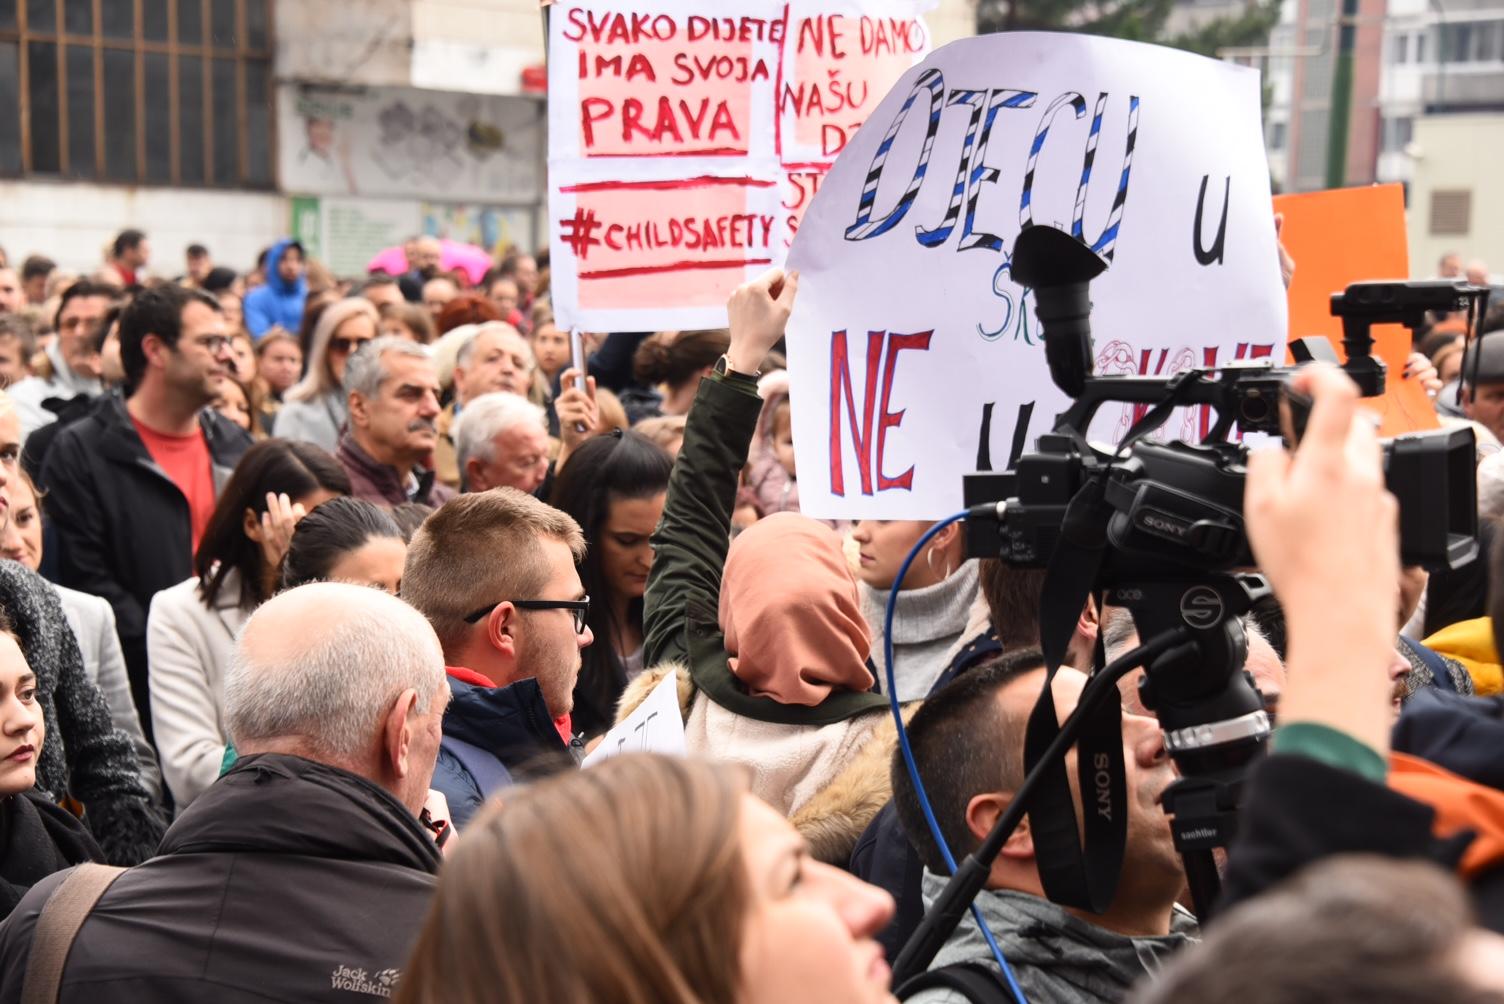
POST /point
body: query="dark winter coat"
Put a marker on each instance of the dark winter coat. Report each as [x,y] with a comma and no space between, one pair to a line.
[37,839]
[83,754]
[288,880]
[123,525]
[493,735]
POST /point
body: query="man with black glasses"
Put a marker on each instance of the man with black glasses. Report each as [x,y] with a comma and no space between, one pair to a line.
[132,486]
[495,573]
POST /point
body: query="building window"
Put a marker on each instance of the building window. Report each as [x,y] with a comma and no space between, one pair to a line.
[1399,49]
[1472,42]
[1277,132]
[161,92]
[1422,41]
[1396,134]
[1451,213]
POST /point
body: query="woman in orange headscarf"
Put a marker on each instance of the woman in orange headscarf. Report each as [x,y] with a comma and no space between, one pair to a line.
[766,633]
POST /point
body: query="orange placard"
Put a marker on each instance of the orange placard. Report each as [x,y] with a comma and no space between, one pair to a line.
[1348,235]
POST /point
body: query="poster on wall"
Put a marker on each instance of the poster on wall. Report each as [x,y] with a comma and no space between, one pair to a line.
[390,141]
[685,143]
[498,229]
[914,356]
[346,233]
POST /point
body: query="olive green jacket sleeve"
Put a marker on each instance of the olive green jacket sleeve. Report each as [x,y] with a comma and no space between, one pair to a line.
[680,610]
[694,535]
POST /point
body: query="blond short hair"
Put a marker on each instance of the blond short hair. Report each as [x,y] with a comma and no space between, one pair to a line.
[481,548]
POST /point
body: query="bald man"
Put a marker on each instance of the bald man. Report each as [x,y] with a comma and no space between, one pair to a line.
[304,872]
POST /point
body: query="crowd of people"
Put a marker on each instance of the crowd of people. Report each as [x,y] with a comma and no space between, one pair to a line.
[317,590]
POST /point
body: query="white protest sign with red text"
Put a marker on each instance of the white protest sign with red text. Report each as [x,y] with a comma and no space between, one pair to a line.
[915,359]
[686,140]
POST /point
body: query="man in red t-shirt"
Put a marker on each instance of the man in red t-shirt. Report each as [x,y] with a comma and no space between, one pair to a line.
[130,255]
[178,382]
[132,484]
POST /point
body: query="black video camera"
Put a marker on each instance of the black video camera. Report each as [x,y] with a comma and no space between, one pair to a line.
[1157,529]
[1177,507]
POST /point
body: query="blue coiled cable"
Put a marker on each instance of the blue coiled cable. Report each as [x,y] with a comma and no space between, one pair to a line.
[908,754]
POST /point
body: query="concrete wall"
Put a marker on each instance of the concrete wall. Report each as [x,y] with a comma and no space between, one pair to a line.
[952,19]
[72,222]
[1458,152]
[352,42]
[483,47]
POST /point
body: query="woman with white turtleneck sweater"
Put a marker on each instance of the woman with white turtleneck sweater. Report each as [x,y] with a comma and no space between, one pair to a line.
[935,599]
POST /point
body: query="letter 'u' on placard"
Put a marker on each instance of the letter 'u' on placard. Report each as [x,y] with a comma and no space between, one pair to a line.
[914,357]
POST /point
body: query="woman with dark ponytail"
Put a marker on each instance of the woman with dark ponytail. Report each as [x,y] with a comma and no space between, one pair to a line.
[674,362]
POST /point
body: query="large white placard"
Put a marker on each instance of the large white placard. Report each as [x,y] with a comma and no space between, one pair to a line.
[912,352]
[686,140]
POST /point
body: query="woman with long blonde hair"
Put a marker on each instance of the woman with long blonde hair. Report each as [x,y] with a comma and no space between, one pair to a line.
[644,880]
[314,409]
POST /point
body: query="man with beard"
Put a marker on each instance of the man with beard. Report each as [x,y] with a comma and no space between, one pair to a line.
[393,392]
[496,575]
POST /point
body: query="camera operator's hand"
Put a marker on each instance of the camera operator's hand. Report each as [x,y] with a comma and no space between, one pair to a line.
[759,311]
[1325,531]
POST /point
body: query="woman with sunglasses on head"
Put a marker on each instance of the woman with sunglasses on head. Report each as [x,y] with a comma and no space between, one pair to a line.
[191,628]
[315,408]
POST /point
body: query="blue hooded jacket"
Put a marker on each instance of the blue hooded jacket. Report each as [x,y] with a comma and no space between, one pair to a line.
[278,301]
[493,736]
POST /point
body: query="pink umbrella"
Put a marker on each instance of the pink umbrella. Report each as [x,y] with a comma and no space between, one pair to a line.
[474,261]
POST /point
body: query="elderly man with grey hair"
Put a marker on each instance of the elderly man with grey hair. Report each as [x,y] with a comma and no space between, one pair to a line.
[491,357]
[502,442]
[304,872]
[393,393]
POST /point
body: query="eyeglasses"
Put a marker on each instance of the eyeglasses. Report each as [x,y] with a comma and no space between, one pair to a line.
[578,608]
[344,346]
[214,343]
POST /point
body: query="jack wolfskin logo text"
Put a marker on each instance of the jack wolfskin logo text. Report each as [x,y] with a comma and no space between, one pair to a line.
[358,981]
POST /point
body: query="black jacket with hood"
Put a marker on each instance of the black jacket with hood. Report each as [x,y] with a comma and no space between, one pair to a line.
[287,880]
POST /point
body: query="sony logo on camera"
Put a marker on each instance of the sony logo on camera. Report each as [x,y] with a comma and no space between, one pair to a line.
[1163,524]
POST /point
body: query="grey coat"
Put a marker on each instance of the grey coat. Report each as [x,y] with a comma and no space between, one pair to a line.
[316,421]
[1056,958]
